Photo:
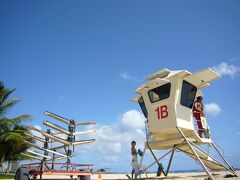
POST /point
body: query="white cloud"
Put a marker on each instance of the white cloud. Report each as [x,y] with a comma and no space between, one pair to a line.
[225,69]
[127,76]
[38,127]
[133,119]
[212,109]
[116,138]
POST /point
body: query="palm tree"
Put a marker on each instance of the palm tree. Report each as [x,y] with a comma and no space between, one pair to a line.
[12,132]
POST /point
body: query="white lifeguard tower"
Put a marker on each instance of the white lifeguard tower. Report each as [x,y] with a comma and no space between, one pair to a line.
[166,101]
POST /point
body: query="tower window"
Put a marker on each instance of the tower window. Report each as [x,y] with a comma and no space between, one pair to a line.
[143,107]
[159,93]
[188,94]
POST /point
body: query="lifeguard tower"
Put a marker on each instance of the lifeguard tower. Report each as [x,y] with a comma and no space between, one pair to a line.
[166,101]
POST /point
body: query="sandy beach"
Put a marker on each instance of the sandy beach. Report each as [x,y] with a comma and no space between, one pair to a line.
[175,176]
[192,175]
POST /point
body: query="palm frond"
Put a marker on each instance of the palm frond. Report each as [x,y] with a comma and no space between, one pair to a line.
[6,94]
[21,132]
[14,123]
[5,106]
[2,88]
[21,118]
[11,136]
[12,132]
[5,126]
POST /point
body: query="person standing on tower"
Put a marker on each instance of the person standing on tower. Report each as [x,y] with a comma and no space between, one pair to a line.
[198,111]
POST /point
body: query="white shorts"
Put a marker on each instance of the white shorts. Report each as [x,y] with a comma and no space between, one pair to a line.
[135,166]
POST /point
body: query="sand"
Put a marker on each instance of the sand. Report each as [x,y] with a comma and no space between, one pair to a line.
[188,176]
[175,176]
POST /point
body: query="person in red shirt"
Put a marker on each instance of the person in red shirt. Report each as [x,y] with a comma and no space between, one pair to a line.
[197,113]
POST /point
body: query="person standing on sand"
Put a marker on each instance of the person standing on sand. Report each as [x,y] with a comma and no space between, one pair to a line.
[134,154]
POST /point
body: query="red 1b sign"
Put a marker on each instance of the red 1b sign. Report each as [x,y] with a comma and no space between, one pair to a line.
[162,112]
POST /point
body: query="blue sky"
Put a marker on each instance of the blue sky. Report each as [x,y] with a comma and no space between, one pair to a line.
[84,59]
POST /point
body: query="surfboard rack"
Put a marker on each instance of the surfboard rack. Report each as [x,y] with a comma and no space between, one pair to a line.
[66,137]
